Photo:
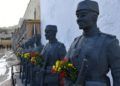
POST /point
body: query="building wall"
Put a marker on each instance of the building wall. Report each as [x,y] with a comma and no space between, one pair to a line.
[30,26]
[6,42]
[29,13]
[62,13]
[6,35]
[26,30]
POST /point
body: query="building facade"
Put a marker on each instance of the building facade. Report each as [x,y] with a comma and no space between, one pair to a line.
[29,25]
[33,10]
[6,36]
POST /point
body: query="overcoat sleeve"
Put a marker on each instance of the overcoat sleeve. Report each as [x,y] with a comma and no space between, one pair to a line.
[62,51]
[113,52]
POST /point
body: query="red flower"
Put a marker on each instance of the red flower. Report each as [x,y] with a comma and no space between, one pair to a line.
[65,59]
[33,54]
[33,62]
[62,74]
[53,71]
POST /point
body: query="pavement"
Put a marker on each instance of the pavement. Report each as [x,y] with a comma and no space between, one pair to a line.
[7,59]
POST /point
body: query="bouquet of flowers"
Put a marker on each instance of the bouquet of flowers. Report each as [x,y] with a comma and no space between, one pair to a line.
[26,55]
[36,58]
[66,69]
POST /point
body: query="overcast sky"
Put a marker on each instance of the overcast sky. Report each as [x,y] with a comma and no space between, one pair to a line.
[11,11]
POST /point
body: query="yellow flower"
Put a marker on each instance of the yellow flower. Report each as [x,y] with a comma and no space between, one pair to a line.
[59,69]
[53,67]
[57,63]
[70,65]
[26,55]
[33,60]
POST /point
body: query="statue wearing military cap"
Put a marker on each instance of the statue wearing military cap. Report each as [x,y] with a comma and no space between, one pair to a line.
[88,5]
[51,28]
[101,50]
[53,51]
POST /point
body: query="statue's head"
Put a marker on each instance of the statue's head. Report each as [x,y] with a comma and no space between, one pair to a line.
[30,43]
[87,13]
[38,39]
[50,32]
[26,45]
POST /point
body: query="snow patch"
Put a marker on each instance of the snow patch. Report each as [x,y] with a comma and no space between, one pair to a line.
[6,61]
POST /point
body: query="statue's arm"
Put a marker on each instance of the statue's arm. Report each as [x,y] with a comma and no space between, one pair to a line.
[68,53]
[114,61]
[70,48]
[62,51]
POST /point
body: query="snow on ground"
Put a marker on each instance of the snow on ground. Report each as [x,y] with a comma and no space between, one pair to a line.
[7,59]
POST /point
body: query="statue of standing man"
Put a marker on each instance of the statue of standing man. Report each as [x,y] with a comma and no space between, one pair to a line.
[101,50]
[53,51]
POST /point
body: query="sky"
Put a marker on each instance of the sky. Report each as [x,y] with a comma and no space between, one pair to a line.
[11,11]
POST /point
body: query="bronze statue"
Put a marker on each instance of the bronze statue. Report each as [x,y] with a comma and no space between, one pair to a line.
[53,51]
[101,50]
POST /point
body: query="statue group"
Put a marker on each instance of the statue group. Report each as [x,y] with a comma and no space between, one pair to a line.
[101,51]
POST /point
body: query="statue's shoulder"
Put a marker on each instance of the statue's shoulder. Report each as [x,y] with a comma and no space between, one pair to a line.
[60,44]
[47,44]
[77,38]
[108,36]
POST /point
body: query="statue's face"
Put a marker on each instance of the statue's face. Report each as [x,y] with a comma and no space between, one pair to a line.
[84,19]
[49,34]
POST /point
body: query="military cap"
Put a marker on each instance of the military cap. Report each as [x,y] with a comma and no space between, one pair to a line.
[88,5]
[51,28]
